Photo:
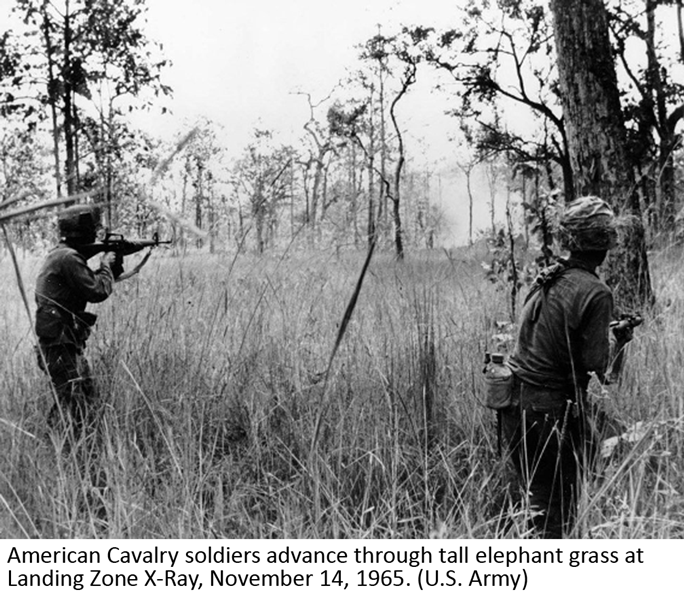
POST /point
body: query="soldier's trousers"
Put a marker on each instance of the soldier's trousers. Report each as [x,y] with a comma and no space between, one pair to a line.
[74,413]
[70,374]
[547,449]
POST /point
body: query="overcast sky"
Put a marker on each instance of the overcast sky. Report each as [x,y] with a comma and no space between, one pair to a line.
[239,62]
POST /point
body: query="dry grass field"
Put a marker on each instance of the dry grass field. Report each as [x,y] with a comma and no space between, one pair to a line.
[218,419]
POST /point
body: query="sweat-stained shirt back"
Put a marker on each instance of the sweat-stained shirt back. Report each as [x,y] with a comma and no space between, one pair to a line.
[565,336]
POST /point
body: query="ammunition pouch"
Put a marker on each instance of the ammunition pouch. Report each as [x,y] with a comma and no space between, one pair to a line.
[54,326]
[83,324]
[49,322]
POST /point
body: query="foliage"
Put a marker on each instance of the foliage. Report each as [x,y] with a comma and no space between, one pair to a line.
[541,215]
[502,58]
[260,181]
[80,60]
[503,267]
[512,267]
[24,177]
[391,66]
[652,97]
[96,47]
[346,121]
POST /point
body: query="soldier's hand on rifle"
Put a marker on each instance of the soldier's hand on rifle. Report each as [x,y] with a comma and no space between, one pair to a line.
[623,334]
[118,267]
[115,262]
[623,328]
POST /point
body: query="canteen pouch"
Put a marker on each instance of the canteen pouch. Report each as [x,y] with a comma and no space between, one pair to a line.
[499,381]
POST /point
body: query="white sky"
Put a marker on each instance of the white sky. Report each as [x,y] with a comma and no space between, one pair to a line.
[238,62]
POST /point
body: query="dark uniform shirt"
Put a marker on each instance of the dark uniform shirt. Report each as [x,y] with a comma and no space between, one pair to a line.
[564,332]
[64,286]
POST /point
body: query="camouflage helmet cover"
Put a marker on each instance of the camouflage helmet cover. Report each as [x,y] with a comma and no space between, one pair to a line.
[587,224]
[79,223]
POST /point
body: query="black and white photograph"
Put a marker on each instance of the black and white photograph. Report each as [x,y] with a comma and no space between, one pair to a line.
[362,270]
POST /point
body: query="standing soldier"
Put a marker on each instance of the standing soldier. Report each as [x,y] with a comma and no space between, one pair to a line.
[64,286]
[564,337]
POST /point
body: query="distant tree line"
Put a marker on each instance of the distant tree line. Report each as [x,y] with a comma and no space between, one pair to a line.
[552,99]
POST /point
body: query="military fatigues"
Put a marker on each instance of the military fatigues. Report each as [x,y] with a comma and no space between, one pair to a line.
[64,286]
[564,336]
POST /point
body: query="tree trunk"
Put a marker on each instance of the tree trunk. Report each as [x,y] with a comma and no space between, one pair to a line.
[597,138]
[669,140]
[370,231]
[382,198]
[492,179]
[316,191]
[666,189]
[199,199]
[468,173]
[211,212]
[184,201]
[259,218]
[680,30]
[354,195]
[408,80]
[53,97]
[68,110]
[396,203]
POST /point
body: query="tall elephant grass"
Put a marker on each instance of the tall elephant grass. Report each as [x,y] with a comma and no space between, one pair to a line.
[212,377]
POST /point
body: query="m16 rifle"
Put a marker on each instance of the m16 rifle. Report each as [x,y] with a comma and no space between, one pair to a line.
[117,243]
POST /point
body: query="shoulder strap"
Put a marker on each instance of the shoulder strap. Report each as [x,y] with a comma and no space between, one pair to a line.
[543,283]
[549,276]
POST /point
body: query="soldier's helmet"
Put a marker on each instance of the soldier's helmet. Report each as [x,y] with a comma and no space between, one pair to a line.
[588,224]
[79,224]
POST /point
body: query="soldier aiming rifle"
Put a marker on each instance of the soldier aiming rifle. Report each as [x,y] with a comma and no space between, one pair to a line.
[65,285]
[120,246]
